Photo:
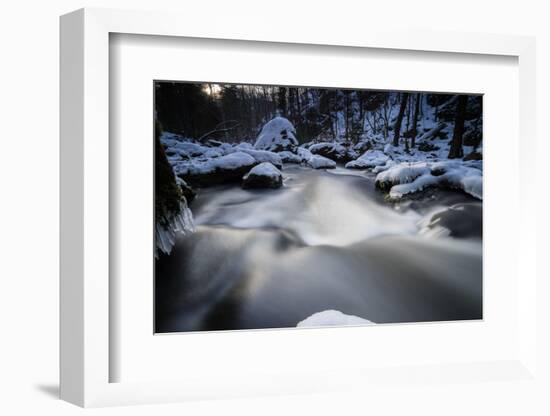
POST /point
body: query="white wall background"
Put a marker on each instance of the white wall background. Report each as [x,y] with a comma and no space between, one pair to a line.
[29,207]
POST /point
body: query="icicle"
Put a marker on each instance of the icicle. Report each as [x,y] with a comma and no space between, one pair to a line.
[181,223]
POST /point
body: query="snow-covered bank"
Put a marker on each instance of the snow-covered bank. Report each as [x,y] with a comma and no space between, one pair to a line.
[369,159]
[401,170]
[407,178]
[172,194]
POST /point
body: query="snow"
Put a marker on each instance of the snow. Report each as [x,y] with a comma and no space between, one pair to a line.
[406,178]
[305,154]
[369,159]
[431,132]
[276,135]
[402,173]
[264,169]
[179,148]
[289,157]
[261,156]
[332,318]
[231,161]
[333,147]
[320,162]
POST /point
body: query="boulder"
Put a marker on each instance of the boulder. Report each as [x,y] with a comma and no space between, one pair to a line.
[264,175]
[277,135]
[261,156]
[333,151]
[289,157]
[224,169]
[369,160]
[473,156]
[362,146]
[321,162]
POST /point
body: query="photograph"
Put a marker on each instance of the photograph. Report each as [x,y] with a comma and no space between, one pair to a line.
[282,206]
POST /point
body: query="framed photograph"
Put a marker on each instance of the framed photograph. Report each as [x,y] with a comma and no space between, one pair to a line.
[286,222]
[278,206]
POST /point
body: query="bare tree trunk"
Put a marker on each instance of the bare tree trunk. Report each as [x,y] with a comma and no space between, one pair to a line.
[456,150]
[385,116]
[415,120]
[397,127]
[408,113]
[281,101]
[347,115]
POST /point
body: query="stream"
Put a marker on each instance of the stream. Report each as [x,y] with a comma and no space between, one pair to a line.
[325,240]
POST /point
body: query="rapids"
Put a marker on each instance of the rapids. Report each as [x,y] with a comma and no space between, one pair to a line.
[325,240]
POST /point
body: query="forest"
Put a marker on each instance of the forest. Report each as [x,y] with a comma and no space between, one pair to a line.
[232,113]
[281,206]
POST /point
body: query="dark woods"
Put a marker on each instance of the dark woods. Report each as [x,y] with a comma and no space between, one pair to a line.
[234,113]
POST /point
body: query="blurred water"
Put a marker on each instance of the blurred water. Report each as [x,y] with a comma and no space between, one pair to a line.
[267,259]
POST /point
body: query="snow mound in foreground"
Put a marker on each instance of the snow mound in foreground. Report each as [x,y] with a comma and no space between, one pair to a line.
[332,318]
[369,159]
[320,162]
[277,135]
[407,178]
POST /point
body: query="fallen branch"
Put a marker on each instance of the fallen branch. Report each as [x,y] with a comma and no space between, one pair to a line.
[220,128]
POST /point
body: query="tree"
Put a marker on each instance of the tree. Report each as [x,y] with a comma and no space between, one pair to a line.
[347,113]
[415,120]
[327,106]
[281,101]
[397,128]
[168,195]
[456,150]
[185,108]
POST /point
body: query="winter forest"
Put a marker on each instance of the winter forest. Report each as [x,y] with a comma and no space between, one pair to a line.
[280,206]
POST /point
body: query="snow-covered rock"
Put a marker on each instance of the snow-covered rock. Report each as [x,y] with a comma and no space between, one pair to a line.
[333,150]
[223,169]
[264,175]
[321,162]
[332,318]
[261,156]
[362,146]
[407,178]
[304,153]
[289,157]
[277,135]
[464,220]
[368,160]
[179,148]
[400,174]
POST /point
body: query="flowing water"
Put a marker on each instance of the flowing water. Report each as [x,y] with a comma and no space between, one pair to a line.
[326,240]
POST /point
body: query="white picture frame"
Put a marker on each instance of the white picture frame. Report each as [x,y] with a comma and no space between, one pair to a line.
[85,218]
